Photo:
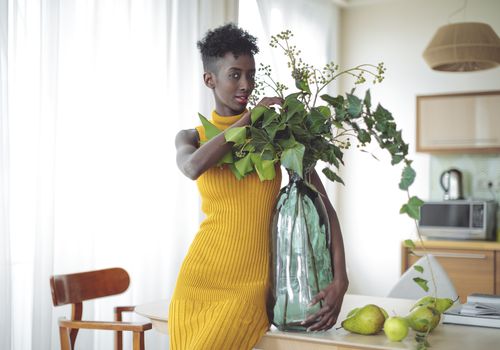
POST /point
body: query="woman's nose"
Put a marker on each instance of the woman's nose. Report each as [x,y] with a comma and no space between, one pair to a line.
[246,84]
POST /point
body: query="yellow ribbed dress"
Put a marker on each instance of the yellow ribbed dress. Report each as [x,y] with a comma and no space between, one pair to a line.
[219,300]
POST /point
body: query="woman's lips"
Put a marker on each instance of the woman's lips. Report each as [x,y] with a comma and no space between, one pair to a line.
[242,99]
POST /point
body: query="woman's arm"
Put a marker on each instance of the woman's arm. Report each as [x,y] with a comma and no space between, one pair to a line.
[333,294]
[193,160]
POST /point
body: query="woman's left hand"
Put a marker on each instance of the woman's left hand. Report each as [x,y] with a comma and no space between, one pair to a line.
[332,297]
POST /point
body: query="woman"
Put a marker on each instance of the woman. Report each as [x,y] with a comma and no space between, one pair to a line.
[220,297]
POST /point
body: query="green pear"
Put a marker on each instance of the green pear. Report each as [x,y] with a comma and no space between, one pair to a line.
[441,304]
[386,315]
[424,318]
[396,328]
[352,312]
[368,319]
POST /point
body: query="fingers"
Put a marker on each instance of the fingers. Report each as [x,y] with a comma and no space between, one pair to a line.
[324,324]
[318,315]
[326,317]
[317,298]
[269,101]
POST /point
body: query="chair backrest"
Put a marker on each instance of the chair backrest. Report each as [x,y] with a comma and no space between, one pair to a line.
[77,287]
[406,288]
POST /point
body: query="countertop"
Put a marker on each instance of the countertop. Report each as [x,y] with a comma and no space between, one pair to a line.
[444,337]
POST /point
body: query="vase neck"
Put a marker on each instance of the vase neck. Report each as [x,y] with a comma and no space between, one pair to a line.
[294,177]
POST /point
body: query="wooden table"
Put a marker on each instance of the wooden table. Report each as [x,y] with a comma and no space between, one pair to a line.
[444,337]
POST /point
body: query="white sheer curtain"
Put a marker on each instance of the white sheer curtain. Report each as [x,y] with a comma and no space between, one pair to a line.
[5,260]
[315,25]
[92,93]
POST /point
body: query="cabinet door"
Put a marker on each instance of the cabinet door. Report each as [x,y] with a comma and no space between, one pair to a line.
[471,271]
[459,122]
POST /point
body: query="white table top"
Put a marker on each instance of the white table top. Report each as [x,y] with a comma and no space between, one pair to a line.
[444,337]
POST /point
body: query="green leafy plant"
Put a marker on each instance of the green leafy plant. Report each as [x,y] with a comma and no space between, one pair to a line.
[312,126]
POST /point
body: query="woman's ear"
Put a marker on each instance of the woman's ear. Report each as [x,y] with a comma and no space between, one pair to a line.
[208,78]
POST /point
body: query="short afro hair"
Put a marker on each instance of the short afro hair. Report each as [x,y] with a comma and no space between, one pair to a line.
[224,39]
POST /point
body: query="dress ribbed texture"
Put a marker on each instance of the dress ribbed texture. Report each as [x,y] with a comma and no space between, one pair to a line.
[219,300]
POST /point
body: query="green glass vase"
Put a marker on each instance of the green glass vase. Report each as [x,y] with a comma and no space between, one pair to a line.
[301,260]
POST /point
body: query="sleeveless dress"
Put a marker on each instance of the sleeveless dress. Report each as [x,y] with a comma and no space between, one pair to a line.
[220,297]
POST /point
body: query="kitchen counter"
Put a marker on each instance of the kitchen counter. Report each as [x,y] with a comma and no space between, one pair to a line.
[444,337]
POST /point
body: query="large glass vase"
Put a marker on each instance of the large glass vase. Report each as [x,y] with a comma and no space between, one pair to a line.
[301,259]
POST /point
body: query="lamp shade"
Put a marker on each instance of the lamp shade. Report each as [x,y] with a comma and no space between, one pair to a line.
[462,47]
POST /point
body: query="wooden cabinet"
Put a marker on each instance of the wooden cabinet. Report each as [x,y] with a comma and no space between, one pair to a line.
[473,267]
[465,122]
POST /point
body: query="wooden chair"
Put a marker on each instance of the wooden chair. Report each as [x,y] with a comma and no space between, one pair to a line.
[75,288]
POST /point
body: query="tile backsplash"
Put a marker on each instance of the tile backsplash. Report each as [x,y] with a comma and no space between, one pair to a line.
[477,171]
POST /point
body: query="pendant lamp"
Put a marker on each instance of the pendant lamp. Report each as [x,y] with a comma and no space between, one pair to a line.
[463,47]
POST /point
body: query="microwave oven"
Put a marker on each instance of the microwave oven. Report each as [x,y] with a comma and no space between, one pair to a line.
[459,219]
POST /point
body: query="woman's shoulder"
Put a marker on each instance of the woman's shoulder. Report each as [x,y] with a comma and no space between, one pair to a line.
[187,136]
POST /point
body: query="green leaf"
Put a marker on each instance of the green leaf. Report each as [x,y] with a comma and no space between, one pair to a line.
[407,177]
[244,165]
[364,136]
[257,112]
[412,208]
[235,172]
[259,138]
[368,99]
[271,130]
[315,120]
[332,176]
[325,111]
[302,85]
[396,159]
[236,135]
[287,143]
[355,106]
[418,268]
[291,158]
[422,283]
[265,168]
[408,243]
[226,159]
[210,130]
[382,114]
[335,102]
[369,121]
[270,117]
[293,107]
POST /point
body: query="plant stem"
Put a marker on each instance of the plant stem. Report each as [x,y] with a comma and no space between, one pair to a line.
[421,241]
[348,71]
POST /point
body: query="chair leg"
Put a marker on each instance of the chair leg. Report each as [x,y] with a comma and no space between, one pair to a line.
[64,337]
[118,340]
[138,341]
[118,311]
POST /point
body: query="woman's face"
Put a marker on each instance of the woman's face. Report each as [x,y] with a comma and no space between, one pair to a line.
[233,83]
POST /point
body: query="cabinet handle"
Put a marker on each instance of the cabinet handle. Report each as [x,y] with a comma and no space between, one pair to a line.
[450,255]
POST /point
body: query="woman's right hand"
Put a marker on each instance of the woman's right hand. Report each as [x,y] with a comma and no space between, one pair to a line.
[266,102]
[270,101]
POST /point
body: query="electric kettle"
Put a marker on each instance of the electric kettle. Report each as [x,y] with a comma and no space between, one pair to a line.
[451,183]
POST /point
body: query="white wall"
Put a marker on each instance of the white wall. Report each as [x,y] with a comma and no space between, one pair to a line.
[395,32]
